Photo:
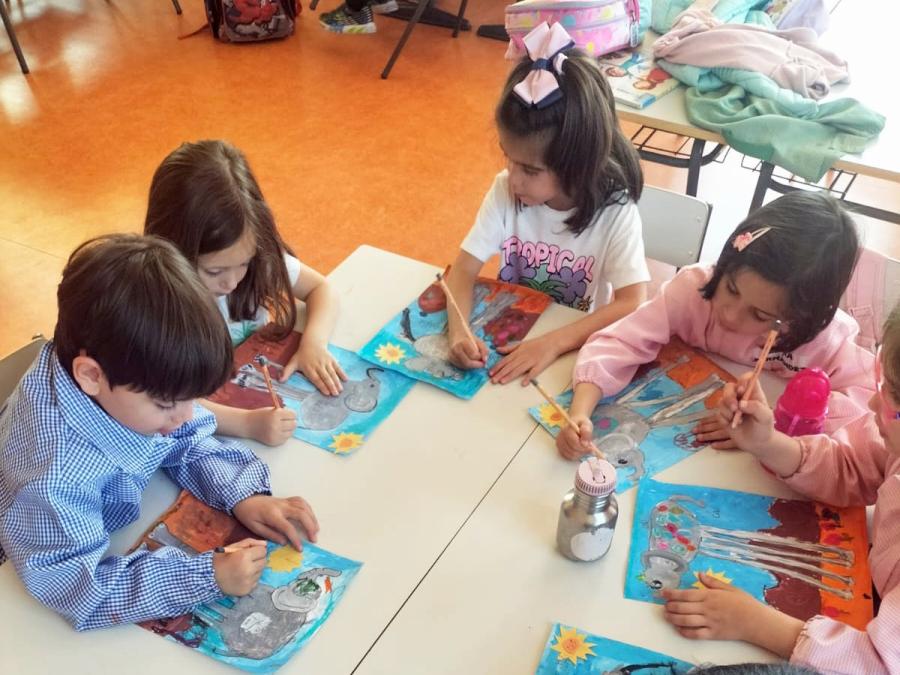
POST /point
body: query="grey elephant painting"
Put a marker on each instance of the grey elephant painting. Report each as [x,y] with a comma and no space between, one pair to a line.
[339,424]
[260,631]
[415,344]
[645,428]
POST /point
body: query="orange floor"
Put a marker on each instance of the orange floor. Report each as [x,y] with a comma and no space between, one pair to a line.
[343,157]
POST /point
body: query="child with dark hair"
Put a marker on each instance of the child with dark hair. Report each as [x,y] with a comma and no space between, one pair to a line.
[205,199]
[562,215]
[107,402]
[791,261]
[860,467]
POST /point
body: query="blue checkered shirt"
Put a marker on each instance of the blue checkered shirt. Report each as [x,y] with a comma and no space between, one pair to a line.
[70,474]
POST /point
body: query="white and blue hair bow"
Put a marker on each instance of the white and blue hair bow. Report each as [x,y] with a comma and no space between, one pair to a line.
[545,45]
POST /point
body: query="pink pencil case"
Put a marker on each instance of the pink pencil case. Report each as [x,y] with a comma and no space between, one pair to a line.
[597,26]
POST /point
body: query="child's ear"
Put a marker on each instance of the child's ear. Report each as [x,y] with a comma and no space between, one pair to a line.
[87,373]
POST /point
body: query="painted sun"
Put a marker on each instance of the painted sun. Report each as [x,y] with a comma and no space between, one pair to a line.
[715,575]
[345,442]
[550,416]
[572,645]
[285,559]
[390,353]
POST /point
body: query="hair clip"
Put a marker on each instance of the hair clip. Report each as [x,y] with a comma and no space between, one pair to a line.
[744,239]
[545,45]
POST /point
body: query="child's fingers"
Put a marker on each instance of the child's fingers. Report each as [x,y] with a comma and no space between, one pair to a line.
[686,620]
[299,508]
[684,595]
[281,524]
[269,533]
[249,542]
[695,633]
[510,367]
[287,371]
[726,444]
[707,424]
[712,582]
[340,371]
[674,607]
[756,410]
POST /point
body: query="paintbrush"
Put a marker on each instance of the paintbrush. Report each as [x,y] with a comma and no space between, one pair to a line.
[451,301]
[562,413]
[760,362]
[263,364]
[234,549]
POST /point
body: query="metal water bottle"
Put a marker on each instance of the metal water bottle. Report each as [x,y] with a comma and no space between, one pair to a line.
[587,516]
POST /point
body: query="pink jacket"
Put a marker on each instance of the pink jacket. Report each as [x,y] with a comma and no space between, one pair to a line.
[611,356]
[792,58]
[856,472]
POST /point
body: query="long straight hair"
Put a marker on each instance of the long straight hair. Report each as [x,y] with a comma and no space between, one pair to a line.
[585,148]
[204,197]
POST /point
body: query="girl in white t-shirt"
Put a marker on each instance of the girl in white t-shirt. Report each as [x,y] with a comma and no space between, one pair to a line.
[205,199]
[562,215]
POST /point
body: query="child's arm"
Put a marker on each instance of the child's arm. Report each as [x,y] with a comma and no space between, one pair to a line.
[719,611]
[55,536]
[847,470]
[312,357]
[461,281]
[570,444]
[530,357]
[272,426]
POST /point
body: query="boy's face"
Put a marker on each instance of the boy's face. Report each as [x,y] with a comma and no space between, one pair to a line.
[136,410]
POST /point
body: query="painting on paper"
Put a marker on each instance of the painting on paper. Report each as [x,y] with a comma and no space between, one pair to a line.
[646,427]
[570,651]
[339,424]
[414,342]
[801,557]
[260,631]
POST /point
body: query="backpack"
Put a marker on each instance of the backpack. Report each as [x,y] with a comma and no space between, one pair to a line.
[597,26]
[251,20]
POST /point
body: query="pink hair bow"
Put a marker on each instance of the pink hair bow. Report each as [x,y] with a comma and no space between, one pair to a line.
[545,45]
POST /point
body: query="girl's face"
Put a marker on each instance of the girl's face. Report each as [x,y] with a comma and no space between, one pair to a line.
[886,408]
[531,182]
[747,304]
[221,271]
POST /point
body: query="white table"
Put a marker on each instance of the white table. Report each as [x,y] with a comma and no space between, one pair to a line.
[395,504]
[488,604]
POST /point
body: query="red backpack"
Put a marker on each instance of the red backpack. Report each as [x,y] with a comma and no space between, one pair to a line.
[251,20]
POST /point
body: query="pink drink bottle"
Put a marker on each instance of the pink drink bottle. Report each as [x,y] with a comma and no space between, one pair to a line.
[803,406]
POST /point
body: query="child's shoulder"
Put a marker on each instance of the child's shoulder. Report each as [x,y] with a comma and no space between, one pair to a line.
[693,277]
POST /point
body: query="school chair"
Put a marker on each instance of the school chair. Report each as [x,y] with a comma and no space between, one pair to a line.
[872,293]
[15,365]
[674,228]
[11,32]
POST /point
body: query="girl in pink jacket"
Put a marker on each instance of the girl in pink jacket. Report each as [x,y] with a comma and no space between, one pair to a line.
[790,260]
[862,468]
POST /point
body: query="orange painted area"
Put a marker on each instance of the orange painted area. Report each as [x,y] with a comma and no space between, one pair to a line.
[697,369]
[851,534]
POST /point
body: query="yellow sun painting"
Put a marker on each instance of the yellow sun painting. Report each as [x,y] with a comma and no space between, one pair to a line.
[390,353]
[715,575]
[550,416]
[285,559]
[572,645]
[345,442]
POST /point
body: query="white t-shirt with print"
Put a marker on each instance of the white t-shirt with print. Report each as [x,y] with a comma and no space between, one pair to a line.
[241,330]
[537,249]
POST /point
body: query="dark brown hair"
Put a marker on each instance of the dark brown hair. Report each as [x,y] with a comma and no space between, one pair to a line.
[203,197]
[137,307]
[593,161]
[811,251]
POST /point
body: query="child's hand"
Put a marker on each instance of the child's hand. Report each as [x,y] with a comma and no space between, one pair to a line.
[271,517]
[718,611]
[237,573]
[272,426]
[757,424]
[466,354]
[319,367]
[713,430]
[528,358]
[574,446]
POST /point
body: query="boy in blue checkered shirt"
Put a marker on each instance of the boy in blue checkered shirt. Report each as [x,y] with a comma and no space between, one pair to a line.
[106,403]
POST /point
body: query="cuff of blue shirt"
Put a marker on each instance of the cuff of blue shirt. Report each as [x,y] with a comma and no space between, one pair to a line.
[239,493]
[202,577]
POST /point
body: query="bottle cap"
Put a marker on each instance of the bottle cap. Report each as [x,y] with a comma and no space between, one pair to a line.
[806,395]
[595,477]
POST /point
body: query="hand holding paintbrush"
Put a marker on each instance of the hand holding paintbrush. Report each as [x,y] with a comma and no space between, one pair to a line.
[595,451]
[463,320]
[760,362]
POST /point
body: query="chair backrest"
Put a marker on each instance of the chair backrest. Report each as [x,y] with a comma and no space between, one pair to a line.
[872,293]
[674,225]
[14,366]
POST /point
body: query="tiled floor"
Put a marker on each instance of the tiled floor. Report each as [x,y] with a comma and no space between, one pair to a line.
[343,157]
